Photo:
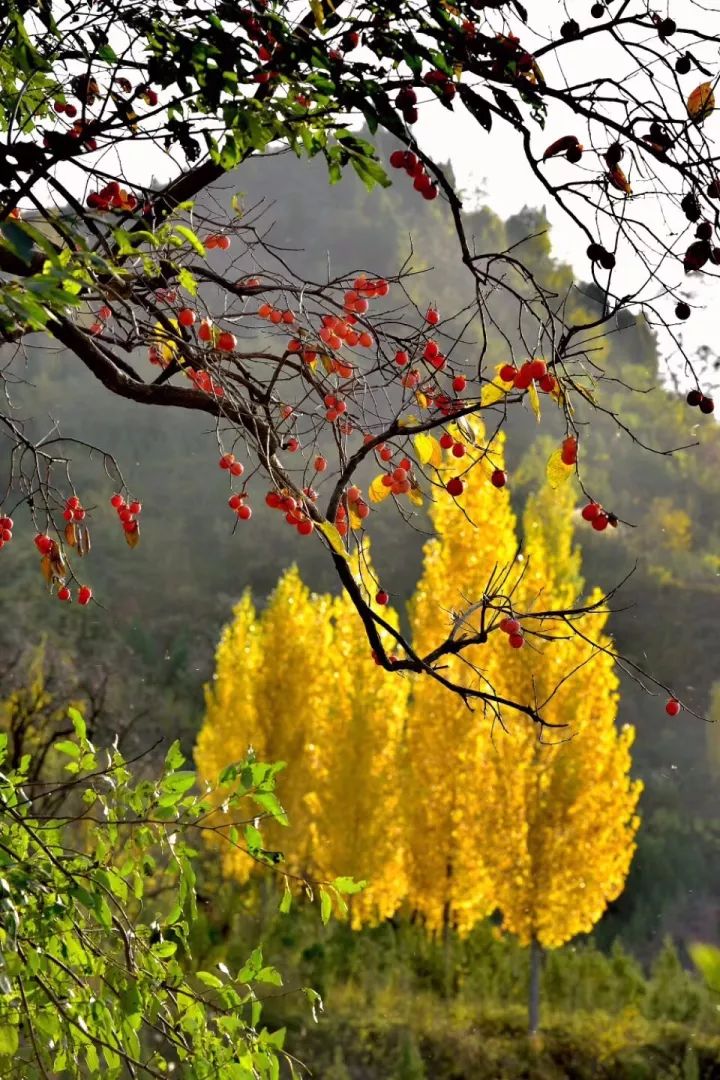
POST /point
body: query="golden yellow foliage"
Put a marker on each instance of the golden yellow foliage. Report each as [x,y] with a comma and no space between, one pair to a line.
[551,821]
[298,684]
[451,810]
[270,681]
[355,808]
[447,742]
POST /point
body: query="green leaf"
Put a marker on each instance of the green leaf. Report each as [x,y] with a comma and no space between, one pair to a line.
[348,885]
[286,901]
[174,757]
[107,53]
[78,723]
[191,238]
[64,746]
[208,979]
[187,281]
[325,906]
[269,975]
[9,1040]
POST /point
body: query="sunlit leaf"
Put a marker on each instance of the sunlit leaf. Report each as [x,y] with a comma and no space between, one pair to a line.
[494,392]
[132,539]
[556,471]
[534,399]
[333,537]
[701,102]
[378,491]
[428,449]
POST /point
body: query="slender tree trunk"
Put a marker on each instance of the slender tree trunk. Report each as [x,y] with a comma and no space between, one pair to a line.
[534,991]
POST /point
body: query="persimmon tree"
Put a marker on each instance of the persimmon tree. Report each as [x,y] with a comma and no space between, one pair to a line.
[307,381]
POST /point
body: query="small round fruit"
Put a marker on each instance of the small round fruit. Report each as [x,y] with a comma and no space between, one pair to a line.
[63,593]
[236,469]
[510,626]
[446,441]
[320,463]
[707,405]
[72,503]
[402,358]
[458,450]
[235,501]
[397,159]
[672,707]
[226,342]
[43,543]
[244,513]
[600,522]
[538,369]
[694,398]
[597,11]
[591,511]
[682,311]
[683,64]
[548,383]
[305,527]
[226,461]
[523,377]
[455,486]
[432,316]
[508,373]
[459,383]
[382,598]
[516,641]
[186,317]
[84,595]
[498,478]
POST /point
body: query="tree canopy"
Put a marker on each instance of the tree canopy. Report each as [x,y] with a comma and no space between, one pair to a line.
[308,380]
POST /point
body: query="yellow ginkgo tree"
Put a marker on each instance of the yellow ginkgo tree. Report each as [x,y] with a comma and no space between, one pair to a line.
[450,808]
[446,743]
[298,684]
[551,816]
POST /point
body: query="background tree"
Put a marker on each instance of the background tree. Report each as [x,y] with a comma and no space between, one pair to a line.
[495,816]
[298,680]
[271,685]
[557,822]
[356,804]
[468,560]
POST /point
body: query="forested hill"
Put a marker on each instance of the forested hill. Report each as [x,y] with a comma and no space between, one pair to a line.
[164,602]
